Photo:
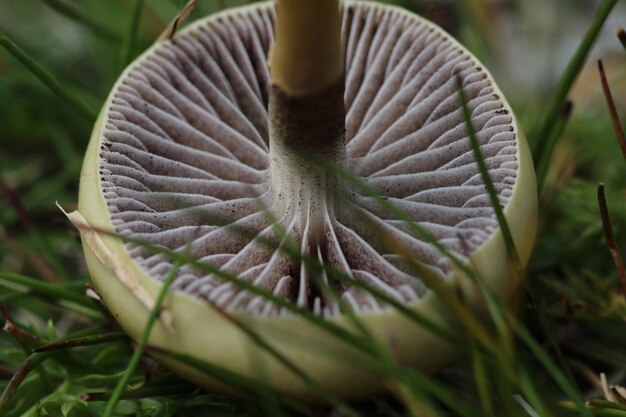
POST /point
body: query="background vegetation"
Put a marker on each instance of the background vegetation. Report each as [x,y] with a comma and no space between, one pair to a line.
[565,354]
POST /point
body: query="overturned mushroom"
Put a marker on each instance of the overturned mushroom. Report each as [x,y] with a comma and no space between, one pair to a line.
[200,150]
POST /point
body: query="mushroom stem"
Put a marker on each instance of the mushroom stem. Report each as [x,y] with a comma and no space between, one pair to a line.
[306,106]
[306,99]
[307,56]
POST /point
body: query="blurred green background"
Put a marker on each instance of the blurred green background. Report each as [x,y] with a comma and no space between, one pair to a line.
[526,44]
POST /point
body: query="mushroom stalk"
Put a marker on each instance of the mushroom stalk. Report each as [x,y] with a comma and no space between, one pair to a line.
[307,56]
[306,107]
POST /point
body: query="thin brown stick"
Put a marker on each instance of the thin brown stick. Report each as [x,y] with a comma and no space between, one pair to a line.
[617,126]
[13,330]
[621,35]
[32,362]
[81,342]
[610,238]
[144,392]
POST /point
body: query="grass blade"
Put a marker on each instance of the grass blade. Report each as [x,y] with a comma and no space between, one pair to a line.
[547,124]
[487,181]
[494,304]
[482,381]
[336,330]
[443,291]
[46,78]
[50,291]
[342,407]
[138,352]
[368,191]
[552,369]
[244,386]
[314,264]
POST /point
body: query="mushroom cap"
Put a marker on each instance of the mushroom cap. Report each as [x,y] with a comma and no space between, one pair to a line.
[180,153]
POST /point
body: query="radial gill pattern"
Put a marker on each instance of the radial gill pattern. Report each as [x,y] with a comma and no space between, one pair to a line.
[184,162]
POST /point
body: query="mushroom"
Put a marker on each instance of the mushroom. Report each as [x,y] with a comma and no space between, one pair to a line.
[201,149]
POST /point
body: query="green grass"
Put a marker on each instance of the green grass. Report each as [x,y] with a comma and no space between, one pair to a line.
[61,354]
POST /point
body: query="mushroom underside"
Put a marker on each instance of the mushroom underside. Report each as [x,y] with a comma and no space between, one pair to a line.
[184,164]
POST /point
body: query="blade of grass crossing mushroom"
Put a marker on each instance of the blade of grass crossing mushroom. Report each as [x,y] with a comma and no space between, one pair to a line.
[316,265]
[398,213]
[495,306]
[138,352]
[78,15]
[242,385]
[265,396]
[338,331]
[130,39]
[544,160]
[610,239]
[45,77]
[487,181]
[444,292]
[342,407]
[317,269]
[432,282]
[617,125]
[546,125]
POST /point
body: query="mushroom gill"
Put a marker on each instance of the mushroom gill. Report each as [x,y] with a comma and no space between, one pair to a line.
[186,162]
